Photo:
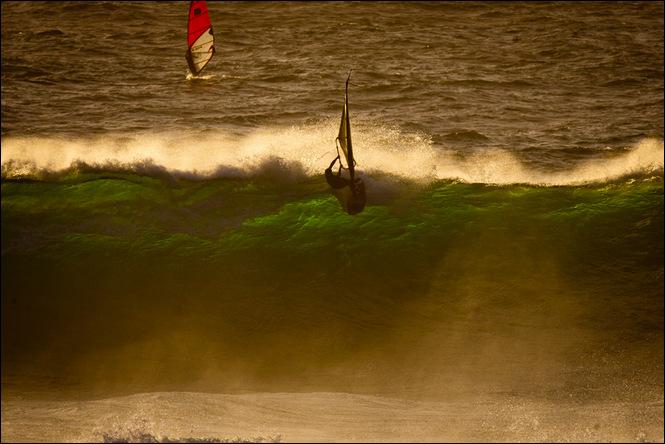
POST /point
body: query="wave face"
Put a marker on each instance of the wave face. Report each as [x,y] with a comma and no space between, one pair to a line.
[154,270]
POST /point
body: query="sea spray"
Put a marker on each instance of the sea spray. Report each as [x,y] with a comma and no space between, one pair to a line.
[293,153]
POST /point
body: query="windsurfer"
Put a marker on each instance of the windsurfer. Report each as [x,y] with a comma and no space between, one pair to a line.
[350,192]
[355,202]
[336,180]
[200,39]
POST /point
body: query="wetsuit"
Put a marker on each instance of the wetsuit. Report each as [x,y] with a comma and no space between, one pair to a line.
[336,180]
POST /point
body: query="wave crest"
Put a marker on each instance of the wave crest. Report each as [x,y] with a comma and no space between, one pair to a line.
[300,151]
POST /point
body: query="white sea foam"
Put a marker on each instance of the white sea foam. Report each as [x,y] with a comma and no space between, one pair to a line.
[307,150]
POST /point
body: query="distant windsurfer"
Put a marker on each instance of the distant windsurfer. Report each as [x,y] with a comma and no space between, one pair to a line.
[200,38]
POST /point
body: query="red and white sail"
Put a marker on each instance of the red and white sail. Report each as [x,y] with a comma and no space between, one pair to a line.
[200,40]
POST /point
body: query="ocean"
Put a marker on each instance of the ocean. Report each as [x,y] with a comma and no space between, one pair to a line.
[175,266]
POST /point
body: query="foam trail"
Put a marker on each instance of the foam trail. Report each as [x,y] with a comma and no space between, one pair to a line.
[306,150]
[190,76]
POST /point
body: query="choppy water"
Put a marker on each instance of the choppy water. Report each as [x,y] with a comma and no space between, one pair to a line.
[161,232]
[547,80]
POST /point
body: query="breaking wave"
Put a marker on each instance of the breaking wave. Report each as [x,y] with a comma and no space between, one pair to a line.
[301,151]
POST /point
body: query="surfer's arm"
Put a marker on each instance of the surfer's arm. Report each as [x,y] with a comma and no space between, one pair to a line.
[333,162]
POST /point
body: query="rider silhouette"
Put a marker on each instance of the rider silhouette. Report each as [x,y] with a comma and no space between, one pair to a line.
[354,203]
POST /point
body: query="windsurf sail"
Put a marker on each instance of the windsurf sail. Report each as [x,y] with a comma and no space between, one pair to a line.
[200,41]
[344,136]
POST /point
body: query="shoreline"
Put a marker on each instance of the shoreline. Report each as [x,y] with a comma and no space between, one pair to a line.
[329,416]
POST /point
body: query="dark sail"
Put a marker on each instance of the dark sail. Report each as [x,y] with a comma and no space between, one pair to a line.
[344,136]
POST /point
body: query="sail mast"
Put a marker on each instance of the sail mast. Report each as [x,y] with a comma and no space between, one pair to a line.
[348,129]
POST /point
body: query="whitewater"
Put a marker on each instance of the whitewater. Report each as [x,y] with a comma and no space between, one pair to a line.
[289,152]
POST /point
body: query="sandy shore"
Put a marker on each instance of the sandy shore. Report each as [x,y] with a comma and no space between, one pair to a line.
[318,417]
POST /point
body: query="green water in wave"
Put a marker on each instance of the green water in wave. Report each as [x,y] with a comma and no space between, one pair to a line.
[263,284]
[206,220]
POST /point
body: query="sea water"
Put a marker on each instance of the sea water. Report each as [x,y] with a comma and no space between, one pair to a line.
[174,265]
